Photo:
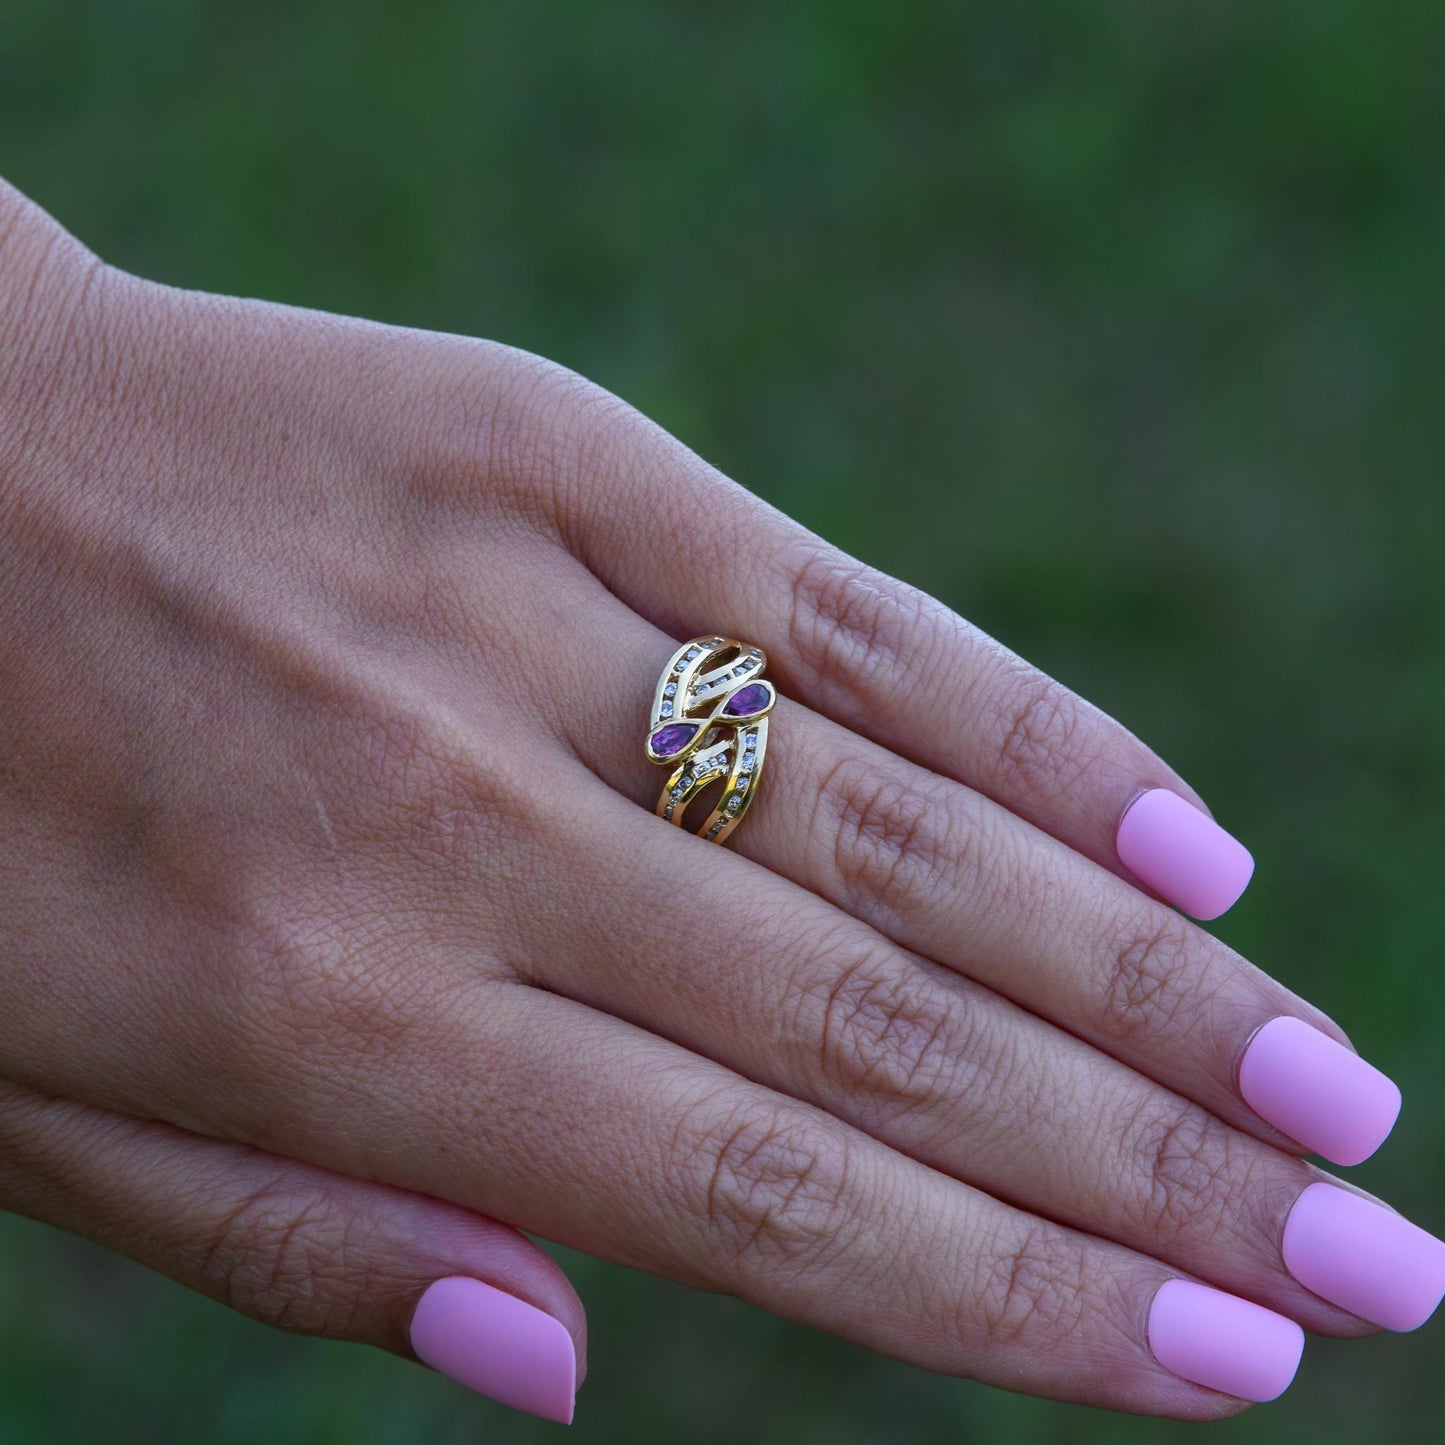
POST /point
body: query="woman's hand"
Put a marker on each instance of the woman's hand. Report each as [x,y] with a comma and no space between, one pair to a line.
[337,927]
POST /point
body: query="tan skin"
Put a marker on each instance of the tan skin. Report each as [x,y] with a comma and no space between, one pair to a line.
[338,935]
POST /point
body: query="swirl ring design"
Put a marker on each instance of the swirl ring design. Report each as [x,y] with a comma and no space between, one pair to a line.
[710,722]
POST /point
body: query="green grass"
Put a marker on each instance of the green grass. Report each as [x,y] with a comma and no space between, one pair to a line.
[1118,327]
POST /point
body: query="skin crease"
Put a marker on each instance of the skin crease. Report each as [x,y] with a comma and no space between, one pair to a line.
[332,886]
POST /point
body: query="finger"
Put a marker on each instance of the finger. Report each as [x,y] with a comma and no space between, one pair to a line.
[302,1248]
[786,991]
[545,1113]
[372,1043]
[946,1071]
[949,874]
[359,1001]
[694,553]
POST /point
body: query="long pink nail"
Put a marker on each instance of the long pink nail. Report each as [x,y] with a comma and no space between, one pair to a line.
[1363,1257]
[1223,1342]
[1182,854]
[1317,1091]
[497,1345]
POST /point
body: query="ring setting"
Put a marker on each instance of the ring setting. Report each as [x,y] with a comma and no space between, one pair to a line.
[709,723]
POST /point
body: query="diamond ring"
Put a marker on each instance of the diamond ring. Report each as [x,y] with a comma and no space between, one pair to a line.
[710,724]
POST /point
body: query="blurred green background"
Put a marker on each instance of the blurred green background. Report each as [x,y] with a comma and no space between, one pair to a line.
[1118,327]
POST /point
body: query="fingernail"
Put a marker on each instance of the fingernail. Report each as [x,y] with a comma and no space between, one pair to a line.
[1182,854]
[1363,1257]
[1317,1091]
[497,1345]
[1223,1342]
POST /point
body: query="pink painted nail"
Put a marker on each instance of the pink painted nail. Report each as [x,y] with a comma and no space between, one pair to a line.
[497,1345]
[1182,854]
[1317,1091]
[1223,1342]
[1363,1257]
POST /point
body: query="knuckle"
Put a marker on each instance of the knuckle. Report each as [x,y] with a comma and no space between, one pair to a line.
[887,1034]
[495,419]
[527,396]
[1042,729]
[1185,1160]
[772,1189]
[310,1000]
[1151,984]
[54,292]
[898,847]
[855,631]
[303,999]
[316,986]
[280,1260]
[1035,1290]
[548,432]
[289,1010]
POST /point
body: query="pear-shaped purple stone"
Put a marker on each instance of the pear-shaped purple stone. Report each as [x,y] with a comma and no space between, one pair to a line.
[668,741]
[747,700]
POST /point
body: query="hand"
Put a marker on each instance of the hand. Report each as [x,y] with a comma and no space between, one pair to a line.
[339,936]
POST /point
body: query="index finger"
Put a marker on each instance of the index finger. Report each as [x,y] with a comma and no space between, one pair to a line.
[694,552]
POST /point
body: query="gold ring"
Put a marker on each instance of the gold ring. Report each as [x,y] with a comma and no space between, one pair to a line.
[710,722]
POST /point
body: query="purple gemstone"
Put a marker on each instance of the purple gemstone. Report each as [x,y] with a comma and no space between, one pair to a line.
[747,700]
[669,741]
